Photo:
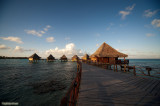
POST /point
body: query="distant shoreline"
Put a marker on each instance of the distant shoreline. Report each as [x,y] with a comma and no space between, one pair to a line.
[3,57]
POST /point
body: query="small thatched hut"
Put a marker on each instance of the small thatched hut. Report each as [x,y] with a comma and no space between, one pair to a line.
[50,58]
[85,57]
[63,58]
[75,58]
[106,54]
[34,57]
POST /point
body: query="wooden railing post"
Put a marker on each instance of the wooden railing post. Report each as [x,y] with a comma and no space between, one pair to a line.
[148,72]
[64,101]
[134,70]
[148,69]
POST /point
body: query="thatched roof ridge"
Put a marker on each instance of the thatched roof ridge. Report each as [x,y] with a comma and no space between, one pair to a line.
[50,57]
[35,56]
[75,56]
[63,57]
[85,56]
[106,50]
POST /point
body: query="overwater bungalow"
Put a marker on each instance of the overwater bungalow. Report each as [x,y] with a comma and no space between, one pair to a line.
[63,58]
[34,58]
[50,58]
[106,54]
[85,58]
[75,58]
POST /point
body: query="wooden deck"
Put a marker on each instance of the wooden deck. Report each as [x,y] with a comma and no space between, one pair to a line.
[108,88]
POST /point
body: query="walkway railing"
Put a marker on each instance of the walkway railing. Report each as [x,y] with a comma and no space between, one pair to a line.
[70,98]
[142,71]
[148,71]
[136,70]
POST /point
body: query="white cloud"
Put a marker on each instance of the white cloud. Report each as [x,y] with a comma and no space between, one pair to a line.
[69,51]
[20,49]
[124,14]
[117,49]
[156,22]
[50,39]
[124,50]
[38,33]
[139,54]
[67,38]
[47,27]
[97,45]
[13,39]
[149,13]
[70,46]
[34,32]
[149,34]
[130,8]
[109,27]
[127,11]
[4,46]
[43,32]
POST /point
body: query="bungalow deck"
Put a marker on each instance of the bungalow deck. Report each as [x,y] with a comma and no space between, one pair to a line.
[106,87]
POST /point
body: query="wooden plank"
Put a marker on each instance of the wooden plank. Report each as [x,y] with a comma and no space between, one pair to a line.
[152,87]
[144,81]
[105,87]
[147,85]
[156,88]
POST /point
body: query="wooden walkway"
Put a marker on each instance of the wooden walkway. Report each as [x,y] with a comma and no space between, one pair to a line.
[101,87]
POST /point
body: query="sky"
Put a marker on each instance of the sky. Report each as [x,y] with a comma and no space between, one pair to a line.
[72,27]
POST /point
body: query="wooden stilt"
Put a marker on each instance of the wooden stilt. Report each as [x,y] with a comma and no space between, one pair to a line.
[116,68]
[121,67]
[124,67]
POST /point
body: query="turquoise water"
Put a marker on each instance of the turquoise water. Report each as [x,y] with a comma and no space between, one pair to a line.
[30,84]
[44,83]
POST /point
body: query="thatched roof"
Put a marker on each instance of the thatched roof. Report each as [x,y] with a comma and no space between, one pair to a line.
[106,50]
[75,57]
[35,56]
[63,57]
[86,56]
[50,57]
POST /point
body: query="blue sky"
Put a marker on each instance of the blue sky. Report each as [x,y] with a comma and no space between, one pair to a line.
[79,26]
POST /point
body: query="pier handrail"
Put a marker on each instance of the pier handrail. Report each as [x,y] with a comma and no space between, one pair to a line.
[147,69]
[137,70]
[70,98]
